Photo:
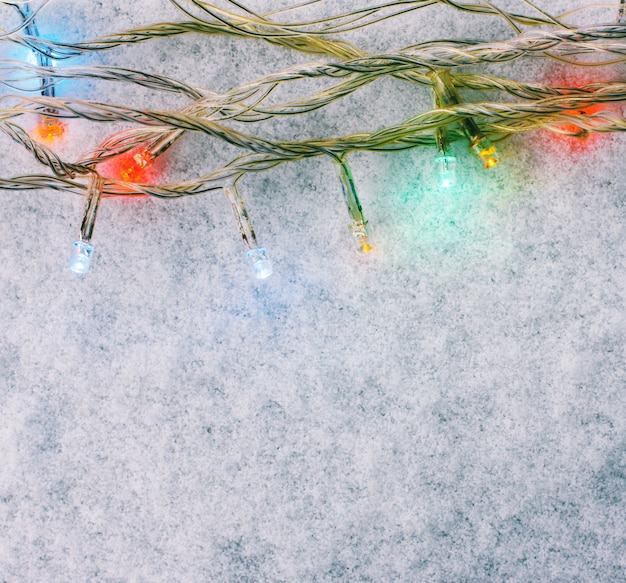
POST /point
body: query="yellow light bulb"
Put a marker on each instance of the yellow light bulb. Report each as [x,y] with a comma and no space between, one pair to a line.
[486,151]
[361,233]
[446,95]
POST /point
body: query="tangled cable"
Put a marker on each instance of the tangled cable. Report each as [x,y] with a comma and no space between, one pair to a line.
[237,116]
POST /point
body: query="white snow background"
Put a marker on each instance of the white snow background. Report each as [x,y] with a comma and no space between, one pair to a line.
[451,409]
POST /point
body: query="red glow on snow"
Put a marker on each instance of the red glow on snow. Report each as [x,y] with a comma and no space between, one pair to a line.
[579,133]
[577,138]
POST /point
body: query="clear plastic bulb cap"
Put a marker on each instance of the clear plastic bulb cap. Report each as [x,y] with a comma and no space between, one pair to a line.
[259,262]
[80,257]
[446,170]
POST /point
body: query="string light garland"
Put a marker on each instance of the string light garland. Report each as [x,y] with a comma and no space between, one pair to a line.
[434,66]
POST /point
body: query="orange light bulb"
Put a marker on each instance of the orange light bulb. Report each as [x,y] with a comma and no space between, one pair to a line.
[50,129]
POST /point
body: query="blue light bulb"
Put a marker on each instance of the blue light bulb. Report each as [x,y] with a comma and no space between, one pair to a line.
[80,257]
[260,263]
[446,170]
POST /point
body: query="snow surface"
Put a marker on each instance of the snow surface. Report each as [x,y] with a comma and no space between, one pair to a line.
[450,409]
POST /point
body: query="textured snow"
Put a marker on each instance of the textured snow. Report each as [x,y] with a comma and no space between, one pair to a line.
[450,409]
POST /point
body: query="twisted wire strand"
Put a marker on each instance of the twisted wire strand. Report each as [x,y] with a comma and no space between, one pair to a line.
[409,138]
[506,119]
[377,65]
[101,112]
[544,107]
[229,23]
[257,24]
[10,70]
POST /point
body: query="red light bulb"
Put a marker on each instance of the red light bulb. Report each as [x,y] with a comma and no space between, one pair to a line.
[133,165]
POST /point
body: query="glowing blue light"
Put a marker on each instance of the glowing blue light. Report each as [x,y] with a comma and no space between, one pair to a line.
[446,170]
[259,262]
[80,257]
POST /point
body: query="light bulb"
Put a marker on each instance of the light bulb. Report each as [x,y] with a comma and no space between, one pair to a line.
[259,262]
[362,235]
[446,95]
[132,166]
[359,226]
[445,163]
[256,255]
[82,249]
[486,151]
[446,170]
[50,129]
[81,256]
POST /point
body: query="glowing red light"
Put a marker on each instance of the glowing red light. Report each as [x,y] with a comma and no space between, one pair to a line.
[137,166]
[575,137]
[576,131]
